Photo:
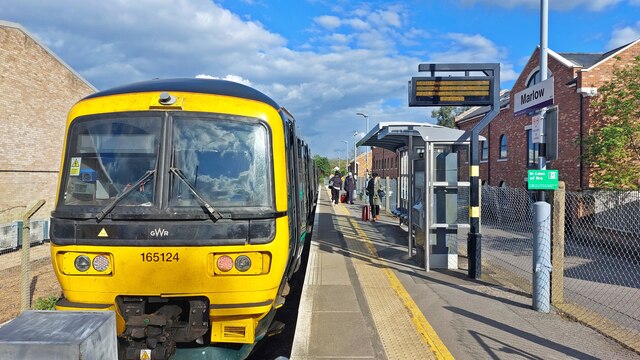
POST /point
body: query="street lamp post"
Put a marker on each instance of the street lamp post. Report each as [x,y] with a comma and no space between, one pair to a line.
[346,156]
[366,156]
[355,154]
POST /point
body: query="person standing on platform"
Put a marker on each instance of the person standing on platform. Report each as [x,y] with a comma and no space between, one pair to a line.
[335,183]
[349,187]
[373,189]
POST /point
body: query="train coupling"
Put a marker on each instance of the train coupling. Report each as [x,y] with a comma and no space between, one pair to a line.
[276,328]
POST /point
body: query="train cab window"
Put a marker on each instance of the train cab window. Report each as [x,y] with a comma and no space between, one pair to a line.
[109,155]
[225,160]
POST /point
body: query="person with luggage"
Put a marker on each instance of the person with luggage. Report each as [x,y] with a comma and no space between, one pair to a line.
[335,184]
[374,188]
[349,187]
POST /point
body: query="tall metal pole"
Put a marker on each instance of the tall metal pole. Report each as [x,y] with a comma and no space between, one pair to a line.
[346,156]
[355,158]
[544,30]
[366,156]
[541,289]
[355,153]
[410,197]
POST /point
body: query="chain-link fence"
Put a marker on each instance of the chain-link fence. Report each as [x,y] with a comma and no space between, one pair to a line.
[602,262]
[27,279]
[596,253]
[507,235]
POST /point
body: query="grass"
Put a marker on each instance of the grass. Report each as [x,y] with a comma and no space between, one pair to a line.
[45,303]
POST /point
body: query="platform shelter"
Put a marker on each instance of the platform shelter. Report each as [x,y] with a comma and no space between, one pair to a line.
[431,157]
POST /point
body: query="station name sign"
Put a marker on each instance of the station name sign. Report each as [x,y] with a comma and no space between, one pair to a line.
[450,91]
[533,98]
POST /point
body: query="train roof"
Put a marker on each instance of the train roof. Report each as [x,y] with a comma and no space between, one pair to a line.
[206,86]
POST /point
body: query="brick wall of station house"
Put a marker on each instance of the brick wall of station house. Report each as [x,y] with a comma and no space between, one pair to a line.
[385,163]
[36,93]
[361,163]
[513,170]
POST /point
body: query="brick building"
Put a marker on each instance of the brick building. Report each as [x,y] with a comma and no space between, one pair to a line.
[361,161]
[385,163]
[509,150]
[37,89]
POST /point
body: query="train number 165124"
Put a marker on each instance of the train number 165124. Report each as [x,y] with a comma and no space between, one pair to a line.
[159,257]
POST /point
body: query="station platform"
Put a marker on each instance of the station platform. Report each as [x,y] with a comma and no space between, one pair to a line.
[365,298]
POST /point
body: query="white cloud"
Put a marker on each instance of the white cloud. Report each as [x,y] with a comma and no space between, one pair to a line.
[475,48]
[385,18]
[323,83]
[357,24]
[592,5]
[234,78]
[328,22]
[624,35]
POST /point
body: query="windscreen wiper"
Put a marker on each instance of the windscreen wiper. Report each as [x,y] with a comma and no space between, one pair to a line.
[143,180]
[215,214]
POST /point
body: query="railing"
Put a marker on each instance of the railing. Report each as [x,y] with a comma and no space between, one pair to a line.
[26,277]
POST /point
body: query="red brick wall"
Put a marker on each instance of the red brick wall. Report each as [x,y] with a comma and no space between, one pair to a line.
[513,169]
[362,162]
[36,92]
[385,163]
[571,106]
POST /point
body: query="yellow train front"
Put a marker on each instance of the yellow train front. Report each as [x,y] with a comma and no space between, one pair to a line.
[183,206]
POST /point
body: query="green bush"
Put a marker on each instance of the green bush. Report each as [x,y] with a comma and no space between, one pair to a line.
[46,303]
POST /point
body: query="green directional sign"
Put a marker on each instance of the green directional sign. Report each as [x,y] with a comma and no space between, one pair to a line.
[542,180]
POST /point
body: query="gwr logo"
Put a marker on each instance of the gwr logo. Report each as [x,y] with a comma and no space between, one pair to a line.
[159,232]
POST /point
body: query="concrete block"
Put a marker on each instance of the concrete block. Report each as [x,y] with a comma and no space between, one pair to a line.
[60,335]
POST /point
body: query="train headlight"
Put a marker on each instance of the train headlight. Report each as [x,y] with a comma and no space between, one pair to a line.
[224,263]
[243,263]
[101,263]
[82,263]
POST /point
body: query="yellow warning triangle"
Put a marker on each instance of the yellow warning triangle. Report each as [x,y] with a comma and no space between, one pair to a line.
[103,233]
[144,355]
[75,163]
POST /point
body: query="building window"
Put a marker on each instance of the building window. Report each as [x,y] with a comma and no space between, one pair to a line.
[503,146]
[535,77]
[532,151]
[484,150]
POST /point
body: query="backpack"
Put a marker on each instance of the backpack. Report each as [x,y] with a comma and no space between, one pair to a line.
[370,186]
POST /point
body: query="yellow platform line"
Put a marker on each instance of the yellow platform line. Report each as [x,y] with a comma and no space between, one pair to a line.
[420,323]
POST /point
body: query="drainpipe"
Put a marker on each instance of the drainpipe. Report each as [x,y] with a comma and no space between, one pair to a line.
[489,155]
[581,141]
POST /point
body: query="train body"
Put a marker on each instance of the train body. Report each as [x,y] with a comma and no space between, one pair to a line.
[183,206]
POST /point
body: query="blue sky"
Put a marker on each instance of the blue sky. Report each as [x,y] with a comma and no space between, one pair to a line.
[323,60]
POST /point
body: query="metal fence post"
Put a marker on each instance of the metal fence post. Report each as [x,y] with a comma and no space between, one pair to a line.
[557,243]
[25,303]
[386,198]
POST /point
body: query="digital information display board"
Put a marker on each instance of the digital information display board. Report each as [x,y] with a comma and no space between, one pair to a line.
[450,91]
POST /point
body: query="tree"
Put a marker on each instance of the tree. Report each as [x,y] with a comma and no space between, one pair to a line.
[445,115]
[322,163]
[612,147]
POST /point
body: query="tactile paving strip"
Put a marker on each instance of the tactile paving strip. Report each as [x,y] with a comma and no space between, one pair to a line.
[395,321]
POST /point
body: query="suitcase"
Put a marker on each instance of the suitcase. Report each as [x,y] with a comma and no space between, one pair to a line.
[343,198]
[366,213]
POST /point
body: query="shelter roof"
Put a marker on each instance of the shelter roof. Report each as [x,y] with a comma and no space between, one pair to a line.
[395,135]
